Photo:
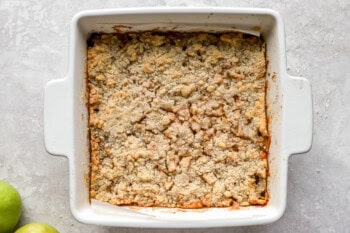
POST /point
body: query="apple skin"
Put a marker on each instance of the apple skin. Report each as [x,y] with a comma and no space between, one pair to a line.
[37,227]
[10,207]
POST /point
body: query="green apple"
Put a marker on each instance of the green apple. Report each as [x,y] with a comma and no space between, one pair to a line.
[10,207]
[37,227]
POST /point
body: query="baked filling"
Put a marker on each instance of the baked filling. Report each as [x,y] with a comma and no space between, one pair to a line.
[177,119]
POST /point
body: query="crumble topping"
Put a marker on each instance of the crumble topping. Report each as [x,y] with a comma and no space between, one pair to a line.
[177,120]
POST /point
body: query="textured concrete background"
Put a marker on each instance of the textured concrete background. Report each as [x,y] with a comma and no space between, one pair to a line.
[33,50]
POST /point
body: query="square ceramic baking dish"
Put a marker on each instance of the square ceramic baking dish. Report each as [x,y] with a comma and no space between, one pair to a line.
[289,108]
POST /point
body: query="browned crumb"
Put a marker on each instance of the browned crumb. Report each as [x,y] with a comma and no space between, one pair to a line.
[177,120]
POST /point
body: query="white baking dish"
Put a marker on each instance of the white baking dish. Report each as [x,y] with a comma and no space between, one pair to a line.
[288,98]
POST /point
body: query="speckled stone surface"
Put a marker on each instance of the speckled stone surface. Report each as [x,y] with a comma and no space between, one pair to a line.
[34,50]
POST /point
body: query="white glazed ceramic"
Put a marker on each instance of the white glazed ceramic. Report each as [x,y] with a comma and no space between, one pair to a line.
[288,98]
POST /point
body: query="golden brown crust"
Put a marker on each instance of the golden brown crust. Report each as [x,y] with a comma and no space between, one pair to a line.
[177,120]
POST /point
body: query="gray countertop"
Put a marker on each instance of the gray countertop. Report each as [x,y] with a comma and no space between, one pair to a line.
[34,50]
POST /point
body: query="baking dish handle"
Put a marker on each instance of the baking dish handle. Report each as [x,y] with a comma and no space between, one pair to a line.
[56,117]
[299,115]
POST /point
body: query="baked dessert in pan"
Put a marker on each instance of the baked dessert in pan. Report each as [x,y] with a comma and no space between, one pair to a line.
[177,119]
